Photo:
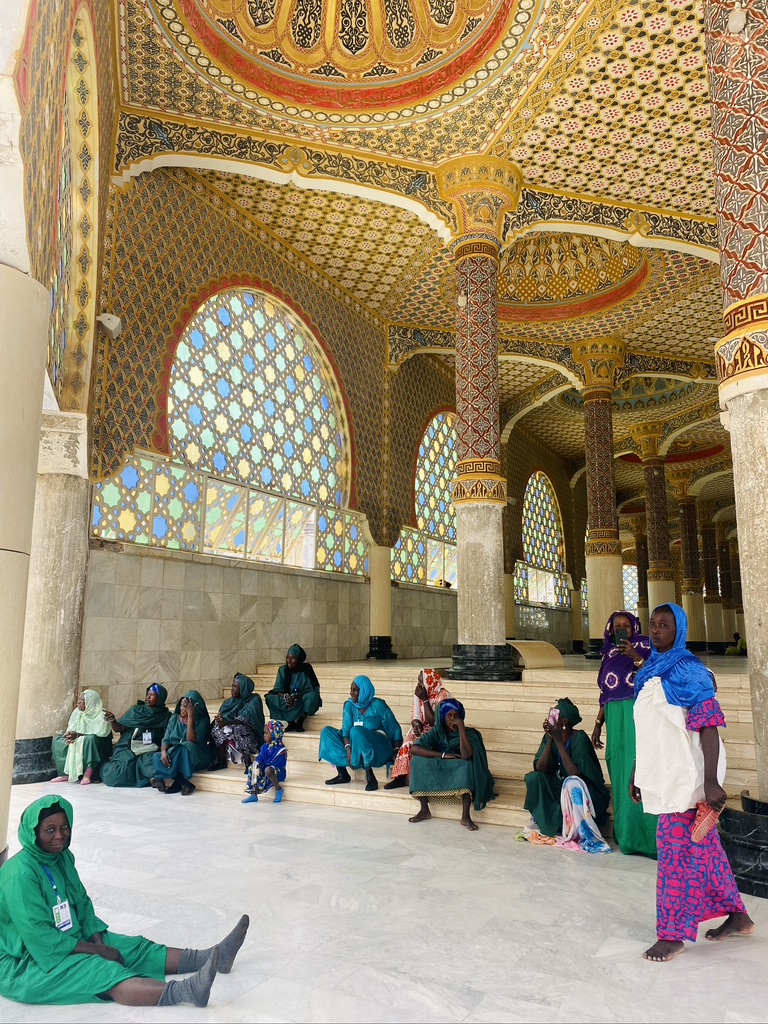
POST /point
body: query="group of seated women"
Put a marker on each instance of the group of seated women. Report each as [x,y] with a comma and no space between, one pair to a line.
[162,748]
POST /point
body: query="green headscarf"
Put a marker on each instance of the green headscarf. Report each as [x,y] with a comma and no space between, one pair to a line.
[568,711]
[142,716]
[201,708]
[30,819]
[232,706]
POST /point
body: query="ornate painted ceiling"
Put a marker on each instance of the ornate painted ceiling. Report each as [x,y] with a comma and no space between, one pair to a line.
[323,122]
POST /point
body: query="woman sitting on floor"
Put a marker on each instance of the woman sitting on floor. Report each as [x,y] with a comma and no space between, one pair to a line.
[54,950]
[238,728]
[368,738]
[427,695]
[567,783]
[270,766]
[186,747]
[296,693]
[448,762]
[86,744]
[141,730]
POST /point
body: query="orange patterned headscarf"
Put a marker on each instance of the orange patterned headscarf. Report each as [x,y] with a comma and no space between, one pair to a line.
[433,684]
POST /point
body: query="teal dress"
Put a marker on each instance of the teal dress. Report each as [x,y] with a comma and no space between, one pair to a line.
[37,962]
[128,769]
[374,734]
[542,789]
[186,757]
[300,682]
[445,780]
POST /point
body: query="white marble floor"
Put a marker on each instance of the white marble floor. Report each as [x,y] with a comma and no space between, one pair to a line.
[364,917]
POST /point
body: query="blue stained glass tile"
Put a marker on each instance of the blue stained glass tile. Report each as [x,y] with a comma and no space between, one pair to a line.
[339,498]
[192,492]
[325,403]
[97,516]
[269,407]
[240,539]
[288,449]
[248,298]
[233,502]
[306,490]
[246,433]
[195,415]
[308,364]
[159,527]
[249,363]
[224,317]
[322,524]
[271,342]
[308,424]
[324,463]
[224,389]
[266,476]
[197,339]
[290,384]
[130,477]
[409,571]
[338,560]
[220,462]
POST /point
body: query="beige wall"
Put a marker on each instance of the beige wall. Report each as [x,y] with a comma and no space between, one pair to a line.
[424,622]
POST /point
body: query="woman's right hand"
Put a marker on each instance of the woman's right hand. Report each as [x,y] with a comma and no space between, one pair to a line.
[417,726]
[108,953]
[109,716]
[597,743]
[165,757]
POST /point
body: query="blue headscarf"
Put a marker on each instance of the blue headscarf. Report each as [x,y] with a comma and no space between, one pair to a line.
[367,692]
[685,680]
[451,705]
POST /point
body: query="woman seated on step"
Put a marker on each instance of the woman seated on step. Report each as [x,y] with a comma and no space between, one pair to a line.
[186,747]
[427,695]
[54,950]
[369,736]
[449,762]
[141,730]
[567,784]
[296,693]
[238,728]
[86,744]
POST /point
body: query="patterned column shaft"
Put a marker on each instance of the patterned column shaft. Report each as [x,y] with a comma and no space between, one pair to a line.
[724,562]
[738,71]
[601,487]
[709,562]
[689,542]
[477,359]
[641,550]
[738,601]
[660,565]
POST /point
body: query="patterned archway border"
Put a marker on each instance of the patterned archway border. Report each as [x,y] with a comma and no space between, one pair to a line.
[160,439]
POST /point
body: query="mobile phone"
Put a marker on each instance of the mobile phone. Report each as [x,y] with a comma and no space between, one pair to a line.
[620,635]
[554,716]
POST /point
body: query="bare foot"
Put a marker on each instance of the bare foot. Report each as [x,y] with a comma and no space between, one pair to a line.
[661,952]
[424,815]
[468,823]
[734,924]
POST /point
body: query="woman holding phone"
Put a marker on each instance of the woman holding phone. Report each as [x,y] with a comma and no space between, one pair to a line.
[624,651]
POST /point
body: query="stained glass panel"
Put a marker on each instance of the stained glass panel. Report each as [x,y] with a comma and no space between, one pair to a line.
[176,507]
[630,588]
[542,526]
[409,557]
[122,505]
[435,472]
[265,527]
[226,514]
[300,535]
[252,398]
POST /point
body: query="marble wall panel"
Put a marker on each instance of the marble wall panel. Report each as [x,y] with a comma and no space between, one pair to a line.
[424,622]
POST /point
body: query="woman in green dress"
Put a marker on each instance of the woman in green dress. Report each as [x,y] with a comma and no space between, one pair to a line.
[186,747]
[564,752]
[141,730]
[370,736]
[449,762]
[54,950]
[238,728]
[86,744]
[296,693]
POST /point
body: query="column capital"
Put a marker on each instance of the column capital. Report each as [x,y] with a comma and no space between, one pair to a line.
[482,190]
[647,437]
[636,523]
[680,478]
[706,510]
[600,359]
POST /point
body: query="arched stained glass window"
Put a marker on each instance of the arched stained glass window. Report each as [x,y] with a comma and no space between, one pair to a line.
[428,553]
[435,472]
[252,398]
[542,527]
[540,577]
[630,588]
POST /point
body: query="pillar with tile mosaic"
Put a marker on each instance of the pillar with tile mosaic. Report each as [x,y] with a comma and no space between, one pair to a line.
[713,606]
[738,600]
[637,526]
[661,582]
[692,582]
[726,586]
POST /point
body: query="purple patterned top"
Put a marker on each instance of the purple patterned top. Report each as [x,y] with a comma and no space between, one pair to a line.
[708,713]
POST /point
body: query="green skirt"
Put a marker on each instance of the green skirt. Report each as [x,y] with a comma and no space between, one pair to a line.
[309,704]
[635,831]
[127,770]
[96,750]
[438,779]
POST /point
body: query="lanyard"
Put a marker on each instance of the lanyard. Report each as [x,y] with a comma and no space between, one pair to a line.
[53,883]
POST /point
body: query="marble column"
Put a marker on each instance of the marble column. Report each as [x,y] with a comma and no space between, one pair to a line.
[577,622]
[661,581]
[380,608]
[482,190]
[692,583]
[50,665]
[600,359]
[713,607]
[738,600]
[737,65]
[637,524]
[510,616]
[24,315]
[726,587]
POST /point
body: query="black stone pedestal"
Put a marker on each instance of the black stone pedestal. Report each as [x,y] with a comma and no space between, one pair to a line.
[380,648]
[32,761]
[495,663]
[744,835]
[592,653]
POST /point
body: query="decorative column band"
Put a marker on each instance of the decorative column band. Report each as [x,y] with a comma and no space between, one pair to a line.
[749,314]
[478,468]
[661,572]
[479,490]
[609,546]
[475,247]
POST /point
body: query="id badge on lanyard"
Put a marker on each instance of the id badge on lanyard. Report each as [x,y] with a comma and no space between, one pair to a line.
[146,737]
[62,915]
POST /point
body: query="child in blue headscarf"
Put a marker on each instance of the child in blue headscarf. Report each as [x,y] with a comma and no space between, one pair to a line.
[270,766]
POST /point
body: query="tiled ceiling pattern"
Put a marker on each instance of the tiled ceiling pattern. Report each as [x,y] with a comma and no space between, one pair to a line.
[630,119]
[685,326]
[628,477]
[515,376]
[720,489]
[366,247]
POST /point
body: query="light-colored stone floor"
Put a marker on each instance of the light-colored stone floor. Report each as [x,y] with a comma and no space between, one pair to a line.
[365,917]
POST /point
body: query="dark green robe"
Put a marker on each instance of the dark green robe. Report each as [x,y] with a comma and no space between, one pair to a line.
[127,769]
[542,796]
[37,963]
[299,683]
[248,707]
[434,778]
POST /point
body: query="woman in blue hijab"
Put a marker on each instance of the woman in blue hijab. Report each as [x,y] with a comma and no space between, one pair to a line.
[369,738]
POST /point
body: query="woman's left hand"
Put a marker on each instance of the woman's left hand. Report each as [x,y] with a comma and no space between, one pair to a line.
[417,726]
[715,795]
